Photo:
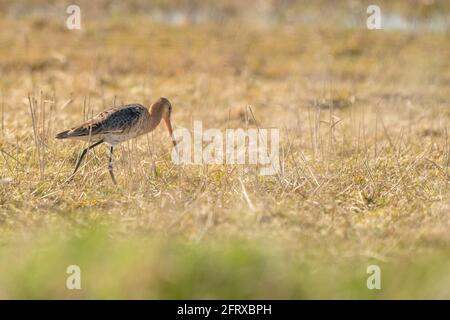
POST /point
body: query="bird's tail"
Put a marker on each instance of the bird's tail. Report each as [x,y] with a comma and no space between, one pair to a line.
[63,135]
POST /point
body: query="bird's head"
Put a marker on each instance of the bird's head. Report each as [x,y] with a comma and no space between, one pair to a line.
[164,107]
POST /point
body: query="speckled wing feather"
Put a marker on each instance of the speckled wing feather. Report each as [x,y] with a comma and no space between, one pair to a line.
[114,120]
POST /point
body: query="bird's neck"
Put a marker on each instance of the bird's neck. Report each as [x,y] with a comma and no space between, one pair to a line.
[154,118]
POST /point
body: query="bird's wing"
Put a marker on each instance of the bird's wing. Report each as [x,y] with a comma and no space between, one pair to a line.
[114,120]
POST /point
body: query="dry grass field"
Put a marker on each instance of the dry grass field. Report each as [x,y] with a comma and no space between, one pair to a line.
[364,123]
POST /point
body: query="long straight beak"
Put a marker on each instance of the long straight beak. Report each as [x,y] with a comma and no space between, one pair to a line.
[169,128]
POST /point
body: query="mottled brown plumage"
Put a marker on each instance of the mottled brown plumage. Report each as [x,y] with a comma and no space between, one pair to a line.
[119,124]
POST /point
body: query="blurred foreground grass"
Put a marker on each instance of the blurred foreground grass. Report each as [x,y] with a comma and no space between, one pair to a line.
[143,268]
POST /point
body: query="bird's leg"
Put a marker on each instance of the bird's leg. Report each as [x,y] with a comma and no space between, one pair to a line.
[110,164]
[83,153]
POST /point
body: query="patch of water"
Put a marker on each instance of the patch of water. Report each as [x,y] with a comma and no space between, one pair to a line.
[389,21]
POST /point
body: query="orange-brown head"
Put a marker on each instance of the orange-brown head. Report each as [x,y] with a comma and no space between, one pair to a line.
[163,108]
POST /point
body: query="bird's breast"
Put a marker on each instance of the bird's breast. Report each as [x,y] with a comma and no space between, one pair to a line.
[127,134]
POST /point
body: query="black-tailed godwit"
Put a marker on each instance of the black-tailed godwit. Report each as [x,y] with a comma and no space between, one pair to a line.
[119,124]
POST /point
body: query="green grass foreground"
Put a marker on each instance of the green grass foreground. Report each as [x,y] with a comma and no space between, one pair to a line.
[142,268]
